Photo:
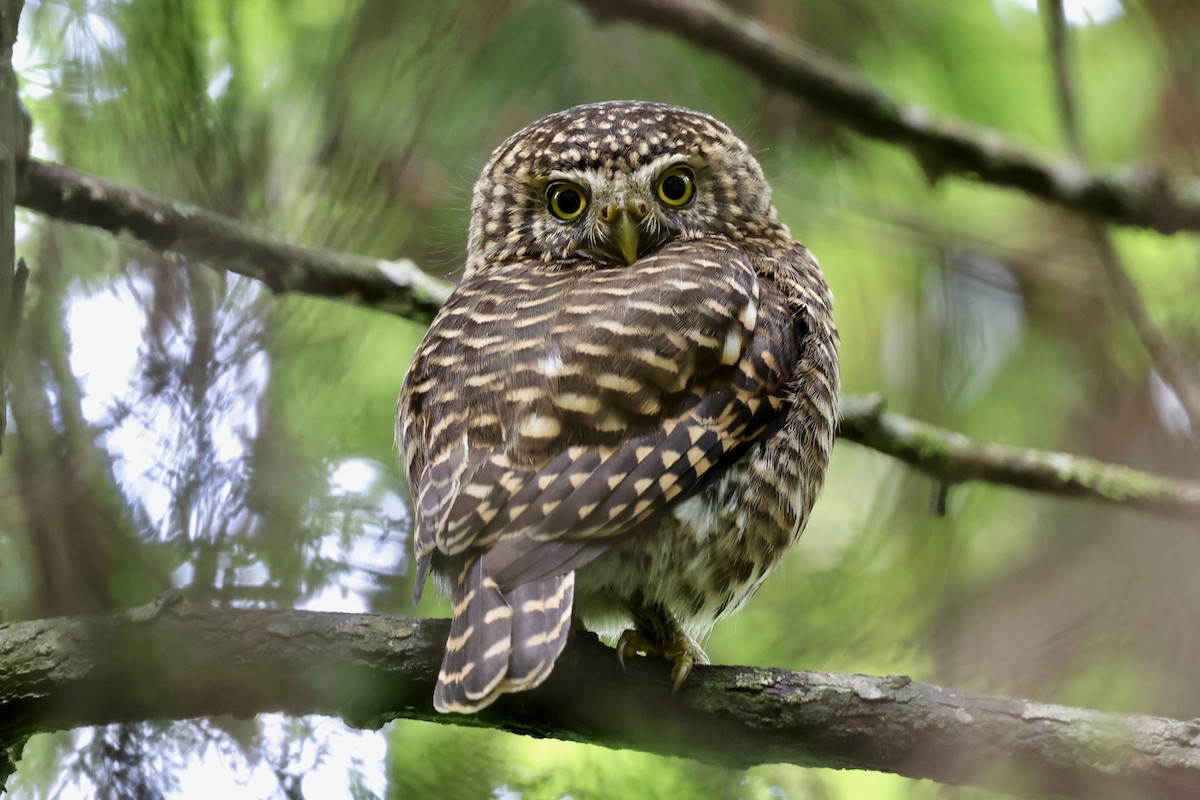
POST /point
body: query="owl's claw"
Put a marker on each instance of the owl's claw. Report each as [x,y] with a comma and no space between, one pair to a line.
[684,654]
[634,641]
[681,651]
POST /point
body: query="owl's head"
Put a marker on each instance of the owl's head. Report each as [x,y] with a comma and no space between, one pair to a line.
[613,182]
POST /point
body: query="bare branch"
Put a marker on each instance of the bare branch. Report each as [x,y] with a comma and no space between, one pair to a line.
[952,458]
[1137,197]
[175,661]
[223,243]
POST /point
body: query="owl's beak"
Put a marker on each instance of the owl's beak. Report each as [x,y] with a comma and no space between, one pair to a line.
[623,235]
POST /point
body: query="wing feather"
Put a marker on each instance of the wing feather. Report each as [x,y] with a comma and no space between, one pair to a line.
[627,391]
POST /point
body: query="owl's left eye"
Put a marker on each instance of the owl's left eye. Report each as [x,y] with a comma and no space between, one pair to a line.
[565,200]
[677,186]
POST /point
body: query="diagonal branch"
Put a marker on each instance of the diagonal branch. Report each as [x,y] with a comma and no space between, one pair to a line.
[954,458]
[1058,35]
[172,660]
[208,237]
[944,147]
[1167,360]
[1183,379]
[224,243]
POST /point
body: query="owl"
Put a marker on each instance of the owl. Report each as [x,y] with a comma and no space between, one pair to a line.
[622,416]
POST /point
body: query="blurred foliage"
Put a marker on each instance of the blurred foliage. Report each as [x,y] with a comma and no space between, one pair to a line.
[176,426]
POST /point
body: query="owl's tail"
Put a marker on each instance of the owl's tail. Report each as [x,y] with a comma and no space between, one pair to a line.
[501,641]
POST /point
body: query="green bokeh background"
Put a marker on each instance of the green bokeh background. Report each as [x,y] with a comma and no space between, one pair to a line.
[359,126]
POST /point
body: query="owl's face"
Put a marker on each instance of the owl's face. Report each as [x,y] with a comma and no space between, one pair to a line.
[613,182]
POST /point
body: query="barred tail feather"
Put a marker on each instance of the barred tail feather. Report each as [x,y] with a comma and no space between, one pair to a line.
[477,651]
[541,623]
[501,642]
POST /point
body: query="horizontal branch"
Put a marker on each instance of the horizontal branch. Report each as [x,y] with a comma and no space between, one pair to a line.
[953,458]
[172,660]
[224,243]
[1139,197]
[211,238]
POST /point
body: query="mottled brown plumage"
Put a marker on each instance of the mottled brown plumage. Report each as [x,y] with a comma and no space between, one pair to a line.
[625,410]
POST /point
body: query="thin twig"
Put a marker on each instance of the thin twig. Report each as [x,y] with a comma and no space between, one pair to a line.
[1171,367]
[1166,359]
[172,660]
[951,458]
[1129,196]
[1058,35]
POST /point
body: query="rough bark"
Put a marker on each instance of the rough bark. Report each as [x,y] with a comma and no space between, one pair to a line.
[173,660]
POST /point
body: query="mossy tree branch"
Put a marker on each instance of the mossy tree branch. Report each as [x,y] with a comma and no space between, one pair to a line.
[171,660]
[953,458]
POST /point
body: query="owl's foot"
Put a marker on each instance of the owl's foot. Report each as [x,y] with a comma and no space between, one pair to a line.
[680,650]
[683,653]
[634,641]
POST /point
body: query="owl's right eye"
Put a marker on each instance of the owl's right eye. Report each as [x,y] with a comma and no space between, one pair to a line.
[565,200]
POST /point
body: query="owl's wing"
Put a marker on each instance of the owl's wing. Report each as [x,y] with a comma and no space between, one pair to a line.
[550,411]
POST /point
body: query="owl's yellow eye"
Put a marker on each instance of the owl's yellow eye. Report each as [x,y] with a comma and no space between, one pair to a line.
[677,186]
[565,200]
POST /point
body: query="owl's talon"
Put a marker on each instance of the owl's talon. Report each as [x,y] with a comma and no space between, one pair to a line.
[680,672]
[684,654]
[634,641]
[681,651]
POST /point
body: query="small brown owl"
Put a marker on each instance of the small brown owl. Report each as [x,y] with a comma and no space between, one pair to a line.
[625,410]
